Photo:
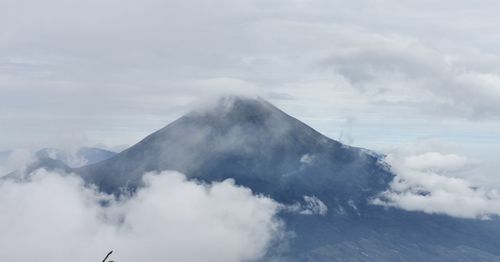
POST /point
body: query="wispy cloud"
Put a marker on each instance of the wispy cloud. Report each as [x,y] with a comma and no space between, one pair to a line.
[311,205]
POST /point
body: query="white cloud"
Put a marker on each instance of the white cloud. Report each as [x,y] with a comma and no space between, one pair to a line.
[315,206]
[306,159]
[15,159]
[404,71]
[310,206]
[19,158]
[55,218]
[437,162]
[425,182]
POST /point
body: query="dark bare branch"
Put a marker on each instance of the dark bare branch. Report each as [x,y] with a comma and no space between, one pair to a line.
[107,255]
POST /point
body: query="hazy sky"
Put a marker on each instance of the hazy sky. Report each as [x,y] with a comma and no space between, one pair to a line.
[377,74]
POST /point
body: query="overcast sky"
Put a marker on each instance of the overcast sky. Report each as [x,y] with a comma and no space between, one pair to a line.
[377,74]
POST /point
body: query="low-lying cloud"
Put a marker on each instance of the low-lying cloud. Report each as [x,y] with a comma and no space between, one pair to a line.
[55,218]
[424,182]
[437,162]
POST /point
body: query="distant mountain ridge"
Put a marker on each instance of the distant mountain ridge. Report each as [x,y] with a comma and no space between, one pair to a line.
[77,158]
[54,159]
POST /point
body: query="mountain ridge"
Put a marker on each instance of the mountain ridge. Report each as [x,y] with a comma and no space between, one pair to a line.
[58,160]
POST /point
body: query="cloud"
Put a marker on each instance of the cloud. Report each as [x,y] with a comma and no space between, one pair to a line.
[307,159]
[55,218]
[314,206]
[310,206]
[437,162]
[15,159]
[427,182]
[404,71]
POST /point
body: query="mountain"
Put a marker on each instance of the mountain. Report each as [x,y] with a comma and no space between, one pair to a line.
[255,143]
[54,159]
[263,148]
[82,156]
[48,164]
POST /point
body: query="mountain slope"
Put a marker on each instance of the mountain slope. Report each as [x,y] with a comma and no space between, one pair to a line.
[256,144]
[262,148]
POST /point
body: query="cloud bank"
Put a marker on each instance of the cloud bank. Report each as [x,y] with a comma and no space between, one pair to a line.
[55,218]
[424,182]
